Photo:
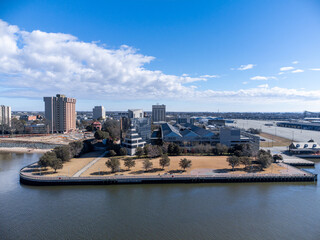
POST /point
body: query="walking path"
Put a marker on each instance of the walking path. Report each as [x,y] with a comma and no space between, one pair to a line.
[85,168]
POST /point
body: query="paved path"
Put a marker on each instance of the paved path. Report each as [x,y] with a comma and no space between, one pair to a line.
[85,168]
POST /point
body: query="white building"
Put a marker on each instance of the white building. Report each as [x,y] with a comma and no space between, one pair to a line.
[98,112]
[132,141]
[135,113]
[5,115]
[158,113]
[143,127]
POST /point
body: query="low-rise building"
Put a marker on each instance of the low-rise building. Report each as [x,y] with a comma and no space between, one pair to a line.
[304,148]
[40,128]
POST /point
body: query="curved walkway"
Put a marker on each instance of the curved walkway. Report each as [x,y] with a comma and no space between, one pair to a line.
[85,168]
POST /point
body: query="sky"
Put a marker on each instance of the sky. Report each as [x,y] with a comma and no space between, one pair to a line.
[238,56]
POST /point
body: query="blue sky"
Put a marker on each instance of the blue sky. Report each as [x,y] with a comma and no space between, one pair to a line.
[190,55]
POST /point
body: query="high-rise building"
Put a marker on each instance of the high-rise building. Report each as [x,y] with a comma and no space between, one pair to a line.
[5,115]
[60,113]
[99,112]
[135,113]
[158,113]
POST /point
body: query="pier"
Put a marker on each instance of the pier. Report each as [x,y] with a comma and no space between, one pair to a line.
[296,161]
[302,176]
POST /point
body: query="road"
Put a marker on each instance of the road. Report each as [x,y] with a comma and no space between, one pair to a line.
[289,133]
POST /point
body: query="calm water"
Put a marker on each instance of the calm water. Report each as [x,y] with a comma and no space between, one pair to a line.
[183,211]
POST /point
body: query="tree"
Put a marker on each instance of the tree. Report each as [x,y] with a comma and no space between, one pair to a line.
[147,164]
[63,152]
[246,161]
[112,153]
[171,149]
[112,127]
[221,149]
[154,151]
[123,151]
[264,158]
[146,149]
[113,164]
[46,159]
[164,161]
[233,161]
[56,163]
[139,151]
[129,163]
[176,150]
[99,135]
[75,148]
[185,163]
[277,157]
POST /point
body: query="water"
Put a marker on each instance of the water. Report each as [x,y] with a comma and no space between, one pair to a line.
[176,211]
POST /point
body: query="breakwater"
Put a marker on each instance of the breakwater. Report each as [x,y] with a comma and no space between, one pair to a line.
[158,179]
[35,145]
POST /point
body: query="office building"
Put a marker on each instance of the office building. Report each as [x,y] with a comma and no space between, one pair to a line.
[5,115]
[99,112]
[158,113]
[60,113]
[132,141]
[143,127]
[135,113]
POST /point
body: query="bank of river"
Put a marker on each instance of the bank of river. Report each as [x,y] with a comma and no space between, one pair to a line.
[179,211]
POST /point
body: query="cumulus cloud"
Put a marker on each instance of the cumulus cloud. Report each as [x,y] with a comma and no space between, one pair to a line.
[246,67]
[35,64]
[262,78]
[295,62]
[314,69]
[46,63]
[209,76]
[298,71]
[286,68]
[263,86]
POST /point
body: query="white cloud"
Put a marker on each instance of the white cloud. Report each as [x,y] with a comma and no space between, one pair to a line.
[262,78]
[35,64]
[286,68]
[298,71]
[295,62]
[48,63]
[280,73]
[246,67]
[209,76]
[314,69]
[244,83]
[263,86]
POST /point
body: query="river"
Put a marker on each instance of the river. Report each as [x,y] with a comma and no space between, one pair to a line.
[176,211]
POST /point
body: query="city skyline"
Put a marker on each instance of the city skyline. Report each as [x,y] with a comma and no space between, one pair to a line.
[193,57]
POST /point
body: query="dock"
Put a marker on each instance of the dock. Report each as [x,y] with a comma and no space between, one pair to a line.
[296,161]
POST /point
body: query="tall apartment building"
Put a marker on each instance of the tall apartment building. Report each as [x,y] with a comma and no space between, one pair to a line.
[135,113]
[158,113]
[98,112]
[60,113]
[5,115]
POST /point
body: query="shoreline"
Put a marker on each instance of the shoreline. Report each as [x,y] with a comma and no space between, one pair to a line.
[23,150]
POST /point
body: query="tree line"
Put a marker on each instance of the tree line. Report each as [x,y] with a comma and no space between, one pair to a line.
[61,154]
[164,161]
